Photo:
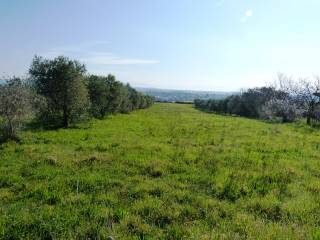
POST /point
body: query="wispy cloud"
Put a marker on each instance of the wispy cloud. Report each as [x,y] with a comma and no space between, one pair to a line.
[110,59]
[94,53]
[248,13]
[77,49]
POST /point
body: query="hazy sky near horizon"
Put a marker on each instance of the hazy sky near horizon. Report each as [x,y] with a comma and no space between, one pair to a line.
[174,44]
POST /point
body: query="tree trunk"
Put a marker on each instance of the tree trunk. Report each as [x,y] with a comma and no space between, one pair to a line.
[310,112]
[65,117]
[11,131]
[284,119]
[308,119]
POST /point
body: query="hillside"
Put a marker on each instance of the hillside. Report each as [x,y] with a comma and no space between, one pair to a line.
[168,172]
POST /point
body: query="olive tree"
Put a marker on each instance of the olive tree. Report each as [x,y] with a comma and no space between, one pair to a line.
[61,82]
[14,107]
[99,92]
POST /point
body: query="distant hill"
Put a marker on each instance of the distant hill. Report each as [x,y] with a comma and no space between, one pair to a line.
[167,95]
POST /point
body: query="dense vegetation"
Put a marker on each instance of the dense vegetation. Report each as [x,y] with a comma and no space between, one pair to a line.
[59,92]
[286,102]
[167,172]
[109,96]
[259,103]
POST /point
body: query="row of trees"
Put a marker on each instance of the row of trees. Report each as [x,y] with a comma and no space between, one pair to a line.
[286,100]
[59,92]
[110,96]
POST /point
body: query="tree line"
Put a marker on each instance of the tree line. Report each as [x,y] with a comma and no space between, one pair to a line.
[59,92]
[285,100]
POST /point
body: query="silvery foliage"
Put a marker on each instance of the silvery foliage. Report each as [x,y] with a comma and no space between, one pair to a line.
[284,109]
[14,106]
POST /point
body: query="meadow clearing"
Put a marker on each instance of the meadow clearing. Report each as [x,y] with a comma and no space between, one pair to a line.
[167,172]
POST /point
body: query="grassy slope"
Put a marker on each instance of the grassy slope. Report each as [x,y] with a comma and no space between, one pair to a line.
[165,172]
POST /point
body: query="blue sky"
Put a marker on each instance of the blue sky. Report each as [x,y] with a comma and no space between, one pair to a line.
[174,44]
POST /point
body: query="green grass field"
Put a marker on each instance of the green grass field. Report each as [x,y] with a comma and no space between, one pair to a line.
[168,172]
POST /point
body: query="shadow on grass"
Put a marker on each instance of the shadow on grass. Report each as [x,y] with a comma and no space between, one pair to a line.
[39,125]
[5,138]
[228,114]
[299,123]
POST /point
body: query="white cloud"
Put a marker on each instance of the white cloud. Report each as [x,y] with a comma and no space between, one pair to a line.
[248,13]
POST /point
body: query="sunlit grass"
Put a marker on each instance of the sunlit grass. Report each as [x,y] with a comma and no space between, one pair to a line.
[165,172]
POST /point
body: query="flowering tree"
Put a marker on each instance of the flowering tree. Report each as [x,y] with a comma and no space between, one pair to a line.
[285,109]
